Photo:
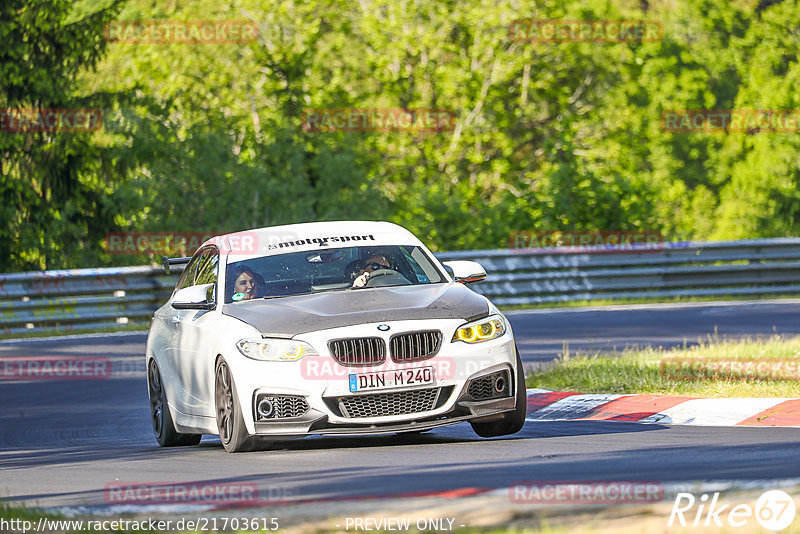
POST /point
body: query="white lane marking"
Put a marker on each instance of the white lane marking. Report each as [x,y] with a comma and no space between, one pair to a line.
[534,391]
[713,412]
[571,407]
[697,412]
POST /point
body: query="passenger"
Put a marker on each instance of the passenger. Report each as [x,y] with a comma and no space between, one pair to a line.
[247,284]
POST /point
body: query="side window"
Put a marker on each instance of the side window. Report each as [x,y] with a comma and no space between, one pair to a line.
[189,272]
[202,269]
[207,271]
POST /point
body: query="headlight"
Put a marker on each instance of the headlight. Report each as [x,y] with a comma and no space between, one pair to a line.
[275,350]
[483,330]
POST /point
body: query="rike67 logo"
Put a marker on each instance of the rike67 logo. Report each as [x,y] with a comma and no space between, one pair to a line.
[774,510]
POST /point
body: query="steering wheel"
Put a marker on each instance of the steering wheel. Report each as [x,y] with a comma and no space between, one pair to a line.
[379,273]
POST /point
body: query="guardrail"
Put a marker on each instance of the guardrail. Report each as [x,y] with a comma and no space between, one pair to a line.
[82,299]
[106,297]
[747,267]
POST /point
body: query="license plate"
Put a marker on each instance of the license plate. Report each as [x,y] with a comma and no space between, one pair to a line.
[391,379]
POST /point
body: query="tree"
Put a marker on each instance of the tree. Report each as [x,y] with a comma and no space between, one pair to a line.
[52,183]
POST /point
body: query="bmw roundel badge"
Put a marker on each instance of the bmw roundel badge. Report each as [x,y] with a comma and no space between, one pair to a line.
[383,327]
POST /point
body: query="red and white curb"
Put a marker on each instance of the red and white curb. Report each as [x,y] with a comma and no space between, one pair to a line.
[544,405]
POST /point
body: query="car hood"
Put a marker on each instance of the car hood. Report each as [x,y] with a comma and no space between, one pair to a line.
[288,316]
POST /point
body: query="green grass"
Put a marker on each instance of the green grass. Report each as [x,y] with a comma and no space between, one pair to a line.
[640,370]
[9,511]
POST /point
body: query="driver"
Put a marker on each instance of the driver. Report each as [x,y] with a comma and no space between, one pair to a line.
[373,263]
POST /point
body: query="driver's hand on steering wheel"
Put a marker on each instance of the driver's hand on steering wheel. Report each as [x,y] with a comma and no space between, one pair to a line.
[361,280]
[374,263]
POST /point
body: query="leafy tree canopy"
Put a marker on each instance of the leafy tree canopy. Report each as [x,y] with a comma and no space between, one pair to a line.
[546,136]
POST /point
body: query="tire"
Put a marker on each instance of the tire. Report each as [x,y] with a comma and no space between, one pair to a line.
[160,416]
[512,422]
[230,422]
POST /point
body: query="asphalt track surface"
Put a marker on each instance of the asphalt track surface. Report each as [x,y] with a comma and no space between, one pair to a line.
[63,442]
[542,334]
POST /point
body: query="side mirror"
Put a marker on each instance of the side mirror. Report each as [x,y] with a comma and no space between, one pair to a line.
[195,298]
[465,272]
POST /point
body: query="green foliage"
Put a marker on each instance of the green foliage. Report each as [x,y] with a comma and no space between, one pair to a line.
[52,184]
[548,136]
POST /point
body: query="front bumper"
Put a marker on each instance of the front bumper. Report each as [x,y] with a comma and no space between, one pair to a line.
[323,385]
[317,422]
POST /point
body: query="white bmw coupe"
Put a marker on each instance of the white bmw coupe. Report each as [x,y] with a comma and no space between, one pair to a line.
[334,328]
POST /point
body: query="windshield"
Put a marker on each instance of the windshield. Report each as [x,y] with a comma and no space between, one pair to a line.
[348,268]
